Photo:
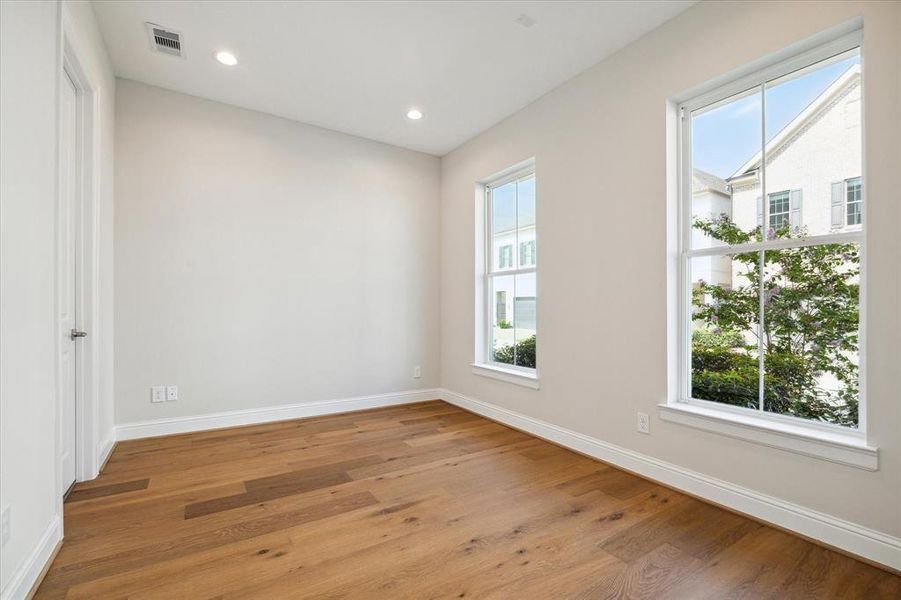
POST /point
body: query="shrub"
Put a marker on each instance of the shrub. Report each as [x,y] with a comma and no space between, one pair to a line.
[525,353]
[504,324]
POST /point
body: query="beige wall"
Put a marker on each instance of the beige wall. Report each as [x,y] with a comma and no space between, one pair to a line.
[601,157]
[262,262]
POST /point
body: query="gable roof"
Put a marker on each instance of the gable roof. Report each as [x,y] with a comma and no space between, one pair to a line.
[702,181]
[814,109]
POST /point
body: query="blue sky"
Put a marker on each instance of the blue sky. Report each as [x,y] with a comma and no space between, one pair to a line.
[503,201]
[723,139]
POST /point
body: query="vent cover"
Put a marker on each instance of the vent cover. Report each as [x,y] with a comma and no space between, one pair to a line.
[165,40]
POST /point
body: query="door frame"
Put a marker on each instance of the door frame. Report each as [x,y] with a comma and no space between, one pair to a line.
[87,257]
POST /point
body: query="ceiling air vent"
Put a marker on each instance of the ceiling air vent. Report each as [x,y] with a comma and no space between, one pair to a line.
[165,40]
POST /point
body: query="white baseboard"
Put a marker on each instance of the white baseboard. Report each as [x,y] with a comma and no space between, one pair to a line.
[850,537]
[27,574]
[255,416]
[106,448]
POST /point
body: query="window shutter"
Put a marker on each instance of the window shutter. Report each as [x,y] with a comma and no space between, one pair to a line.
[760,211]
[795,208]
[837,203]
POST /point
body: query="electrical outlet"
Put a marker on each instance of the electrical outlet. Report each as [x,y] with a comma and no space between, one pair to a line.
[4,525]
[171,393]
[417,372]
[644,423]
[158,393]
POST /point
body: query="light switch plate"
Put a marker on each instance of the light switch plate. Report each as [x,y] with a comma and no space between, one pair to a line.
[158,393]
[417,372]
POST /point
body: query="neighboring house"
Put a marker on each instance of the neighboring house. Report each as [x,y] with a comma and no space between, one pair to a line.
[813,177]
[710,197]
[512,253]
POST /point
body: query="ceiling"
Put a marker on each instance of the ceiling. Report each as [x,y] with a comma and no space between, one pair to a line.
[357,67]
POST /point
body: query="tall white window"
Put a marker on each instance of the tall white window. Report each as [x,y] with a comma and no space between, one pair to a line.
[770,315]
[510,323]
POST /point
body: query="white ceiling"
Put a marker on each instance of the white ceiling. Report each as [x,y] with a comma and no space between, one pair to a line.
[357,67]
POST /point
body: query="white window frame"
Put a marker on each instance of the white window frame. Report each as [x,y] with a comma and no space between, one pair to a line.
[836,443]
[483,363]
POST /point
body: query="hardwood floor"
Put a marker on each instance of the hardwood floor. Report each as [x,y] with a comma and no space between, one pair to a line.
[418,501]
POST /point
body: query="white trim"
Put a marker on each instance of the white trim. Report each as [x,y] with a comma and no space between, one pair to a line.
[28,573]
[105,449]
[834,446]
[525,378]
[838,533]
[254,416]
[87,397]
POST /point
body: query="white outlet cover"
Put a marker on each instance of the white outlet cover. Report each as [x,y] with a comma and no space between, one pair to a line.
[644,423]
[158,393]
[171,393]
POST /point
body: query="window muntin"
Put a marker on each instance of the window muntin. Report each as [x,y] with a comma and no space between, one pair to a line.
[511,275]
[770,316]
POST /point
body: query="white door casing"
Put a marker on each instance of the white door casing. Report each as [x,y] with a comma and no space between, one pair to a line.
[68,285]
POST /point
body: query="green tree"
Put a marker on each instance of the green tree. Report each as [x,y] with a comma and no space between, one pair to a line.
[811,318]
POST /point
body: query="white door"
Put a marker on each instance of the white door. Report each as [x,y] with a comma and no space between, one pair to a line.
[69,202]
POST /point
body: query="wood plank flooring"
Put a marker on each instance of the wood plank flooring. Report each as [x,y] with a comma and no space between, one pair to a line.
[418,501]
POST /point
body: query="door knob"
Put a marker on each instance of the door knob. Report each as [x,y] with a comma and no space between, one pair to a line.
[77,334]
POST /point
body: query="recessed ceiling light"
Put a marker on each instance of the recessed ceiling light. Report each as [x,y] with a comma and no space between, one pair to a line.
[226,58]
[414,114]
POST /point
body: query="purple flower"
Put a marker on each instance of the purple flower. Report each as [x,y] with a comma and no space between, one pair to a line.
[717,330]
[770,233]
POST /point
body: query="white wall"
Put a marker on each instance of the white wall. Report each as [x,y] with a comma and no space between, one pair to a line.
[262,262]
[602,272]
[30,46]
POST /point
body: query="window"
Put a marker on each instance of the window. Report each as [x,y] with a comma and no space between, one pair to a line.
[505,258]
[510,323]
[527,253]
[769,317]
[854,201]
[779,209]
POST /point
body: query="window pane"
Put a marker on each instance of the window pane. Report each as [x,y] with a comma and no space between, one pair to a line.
[814,145]
[811,308]
[725,302]
[525,220]
[726,202]
[502,318]
[503,226]
[526,310]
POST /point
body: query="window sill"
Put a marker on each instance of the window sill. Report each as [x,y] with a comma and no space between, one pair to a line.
[515,376]
[838,447]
